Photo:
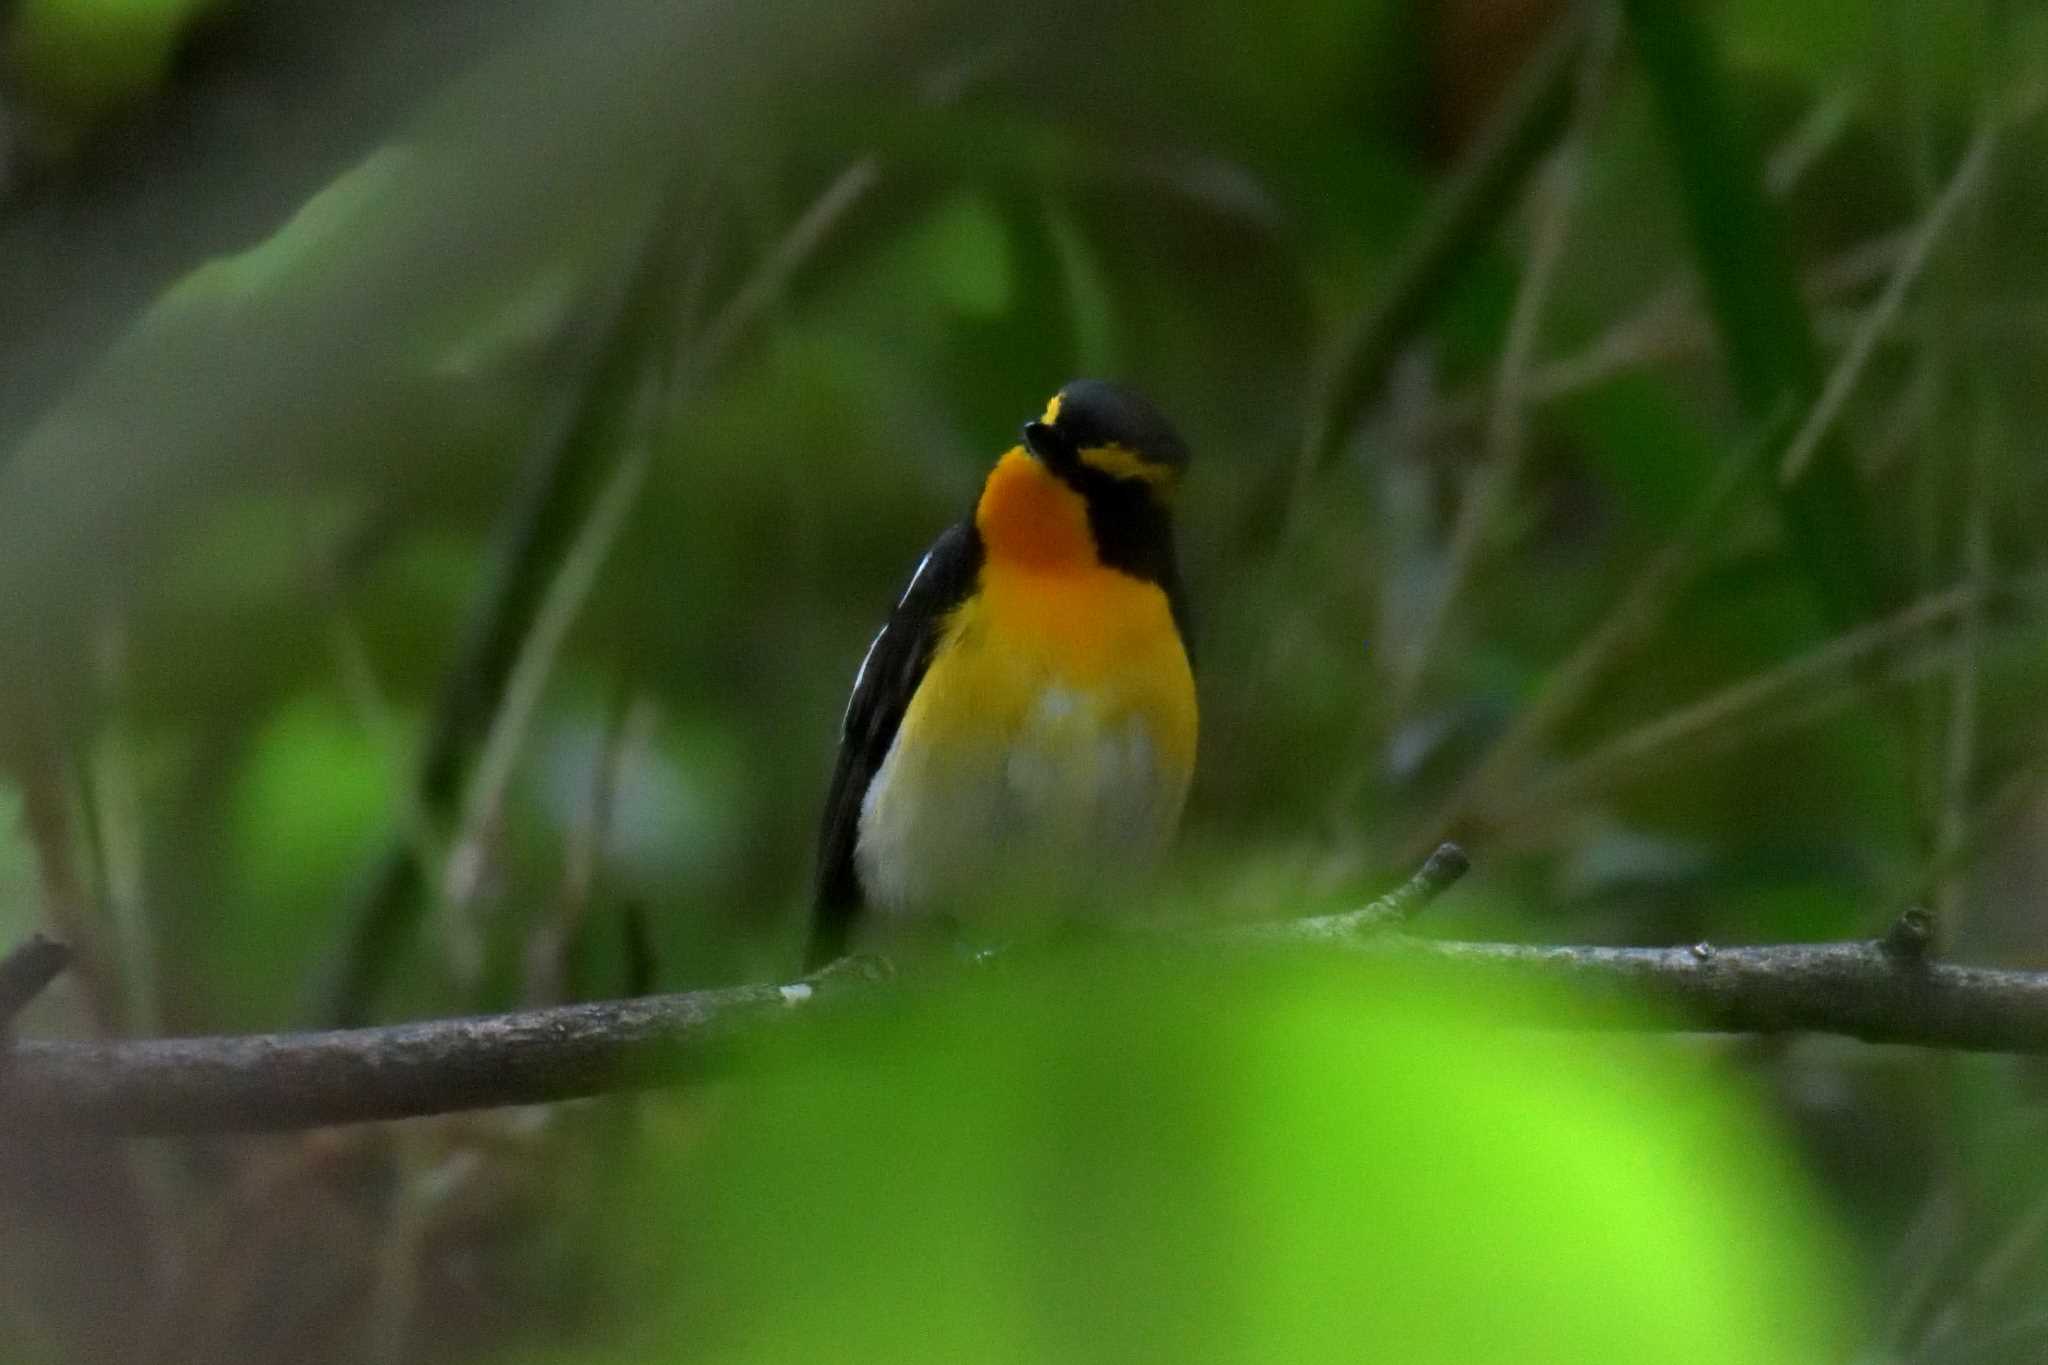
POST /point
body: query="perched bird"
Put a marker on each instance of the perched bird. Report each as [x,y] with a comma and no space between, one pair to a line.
[1029,708]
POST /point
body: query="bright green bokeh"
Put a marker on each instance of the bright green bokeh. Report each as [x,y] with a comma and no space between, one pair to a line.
[316,781]
[1102,1163]
[81,58]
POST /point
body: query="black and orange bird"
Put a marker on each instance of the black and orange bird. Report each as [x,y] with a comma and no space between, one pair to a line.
[1029,708]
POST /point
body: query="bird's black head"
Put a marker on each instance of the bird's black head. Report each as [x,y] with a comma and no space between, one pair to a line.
[1093,431]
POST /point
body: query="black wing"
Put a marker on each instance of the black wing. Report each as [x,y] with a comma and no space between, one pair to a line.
[894,666]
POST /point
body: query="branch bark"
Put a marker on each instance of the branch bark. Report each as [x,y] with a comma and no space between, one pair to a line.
[1859,990]
[276,1081]
[1881,992]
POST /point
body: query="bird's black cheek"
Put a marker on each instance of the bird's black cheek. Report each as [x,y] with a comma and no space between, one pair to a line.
[1132,533]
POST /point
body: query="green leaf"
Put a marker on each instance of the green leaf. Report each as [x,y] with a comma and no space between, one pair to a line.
[1096,1162]
[79,59]
[312,795]
[1088,294]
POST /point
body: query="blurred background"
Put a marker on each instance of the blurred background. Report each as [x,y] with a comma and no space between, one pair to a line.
[456,453]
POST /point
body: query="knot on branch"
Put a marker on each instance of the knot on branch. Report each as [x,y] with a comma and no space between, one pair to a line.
[23,975]
[1910,936]
[1438,874]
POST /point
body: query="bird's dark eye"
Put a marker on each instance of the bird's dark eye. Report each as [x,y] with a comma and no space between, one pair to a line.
[1047,442]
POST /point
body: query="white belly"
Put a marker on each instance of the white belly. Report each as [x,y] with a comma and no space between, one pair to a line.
[1066,808]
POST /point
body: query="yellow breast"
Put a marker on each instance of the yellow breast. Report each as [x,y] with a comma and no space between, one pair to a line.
[1049,615]
[1103,641]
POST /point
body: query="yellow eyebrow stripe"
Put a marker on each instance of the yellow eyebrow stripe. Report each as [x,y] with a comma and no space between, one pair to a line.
[1119,463]
[1052,411]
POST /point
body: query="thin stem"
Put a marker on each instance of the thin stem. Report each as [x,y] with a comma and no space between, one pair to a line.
[513,721]
[770,280]
[1634,620]
[537,518]
[1848,370]
[663,380]
[626,731]
[1453,225]
[1506,429]
[1636,750]
[1965,682]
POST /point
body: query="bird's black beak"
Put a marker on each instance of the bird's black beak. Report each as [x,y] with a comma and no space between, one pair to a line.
[1047,442]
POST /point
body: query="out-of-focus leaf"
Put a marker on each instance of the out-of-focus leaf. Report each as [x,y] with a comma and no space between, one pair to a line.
[1648,449]
[1811,42]
[552,149]
[313,792]
[317,238]
[1087,296]
[254,552]
[966,248]
[1095,1162]
[78,59]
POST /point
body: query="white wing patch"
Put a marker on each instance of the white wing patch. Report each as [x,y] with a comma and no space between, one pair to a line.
[916,574]
[860,674]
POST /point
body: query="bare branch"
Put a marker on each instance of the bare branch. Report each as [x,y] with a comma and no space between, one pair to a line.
[1858,990]
[266,1082]
[1880,992]
[1910,936]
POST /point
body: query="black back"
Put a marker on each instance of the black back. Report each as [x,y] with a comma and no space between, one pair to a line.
[895,665]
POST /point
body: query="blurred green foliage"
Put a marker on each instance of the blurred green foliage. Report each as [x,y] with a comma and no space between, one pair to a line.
[292,298]
[1118,1160]
[75,61]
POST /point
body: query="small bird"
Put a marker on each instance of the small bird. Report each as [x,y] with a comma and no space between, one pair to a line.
[1029,708]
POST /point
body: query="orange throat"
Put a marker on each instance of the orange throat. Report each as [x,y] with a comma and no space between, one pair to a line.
[1028,517]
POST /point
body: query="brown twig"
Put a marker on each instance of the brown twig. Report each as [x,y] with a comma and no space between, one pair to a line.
[1631,753]
[1848,371]
[1439,873]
